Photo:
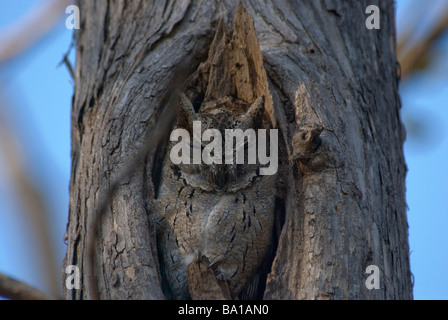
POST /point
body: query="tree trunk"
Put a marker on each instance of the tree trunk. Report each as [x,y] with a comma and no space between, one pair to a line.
[331,90]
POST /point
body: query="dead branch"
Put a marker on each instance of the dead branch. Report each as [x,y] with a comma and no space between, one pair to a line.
[30,28]
[411,57]
[17,290]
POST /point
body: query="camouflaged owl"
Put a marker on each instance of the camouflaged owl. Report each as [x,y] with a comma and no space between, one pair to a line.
[223,211]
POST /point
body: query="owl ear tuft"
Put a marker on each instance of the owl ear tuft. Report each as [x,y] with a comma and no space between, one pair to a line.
[186,114]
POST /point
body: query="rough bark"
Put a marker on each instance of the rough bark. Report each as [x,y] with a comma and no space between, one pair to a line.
[333,89]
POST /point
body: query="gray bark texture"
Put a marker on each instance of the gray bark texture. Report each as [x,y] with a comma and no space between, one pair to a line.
[330,87]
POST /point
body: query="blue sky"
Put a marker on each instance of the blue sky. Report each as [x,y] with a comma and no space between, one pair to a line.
[40,94]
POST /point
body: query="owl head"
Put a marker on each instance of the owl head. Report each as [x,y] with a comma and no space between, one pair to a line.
[213,130]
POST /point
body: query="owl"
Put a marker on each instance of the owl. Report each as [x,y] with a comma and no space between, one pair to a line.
[223,211]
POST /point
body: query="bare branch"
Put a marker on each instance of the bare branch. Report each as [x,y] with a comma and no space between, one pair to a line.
[17,290]
[67,62]
[410,58]
[406,34]
[30,28]
[31,197]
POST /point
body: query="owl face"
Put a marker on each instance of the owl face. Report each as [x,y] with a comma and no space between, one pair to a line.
[220,166]
[216,141]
